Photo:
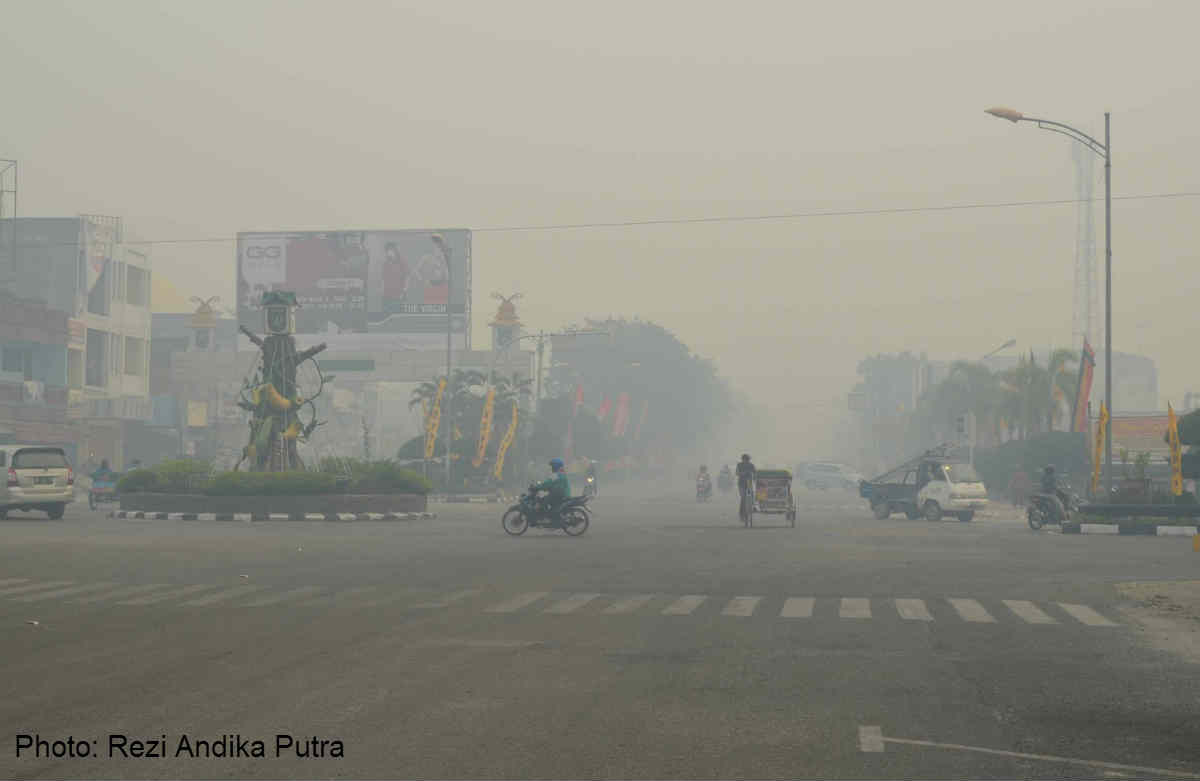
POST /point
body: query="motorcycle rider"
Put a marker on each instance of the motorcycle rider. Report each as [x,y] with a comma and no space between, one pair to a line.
[1056,498]
[557,488]
[746,473]
[704,481]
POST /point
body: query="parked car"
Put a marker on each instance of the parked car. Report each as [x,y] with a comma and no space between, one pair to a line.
[828,476]
[38,478]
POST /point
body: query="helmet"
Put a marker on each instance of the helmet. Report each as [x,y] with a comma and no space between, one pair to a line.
[1049,468]
[556,464]
[745,456]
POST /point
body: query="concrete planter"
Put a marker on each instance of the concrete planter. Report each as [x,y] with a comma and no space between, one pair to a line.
[296,506]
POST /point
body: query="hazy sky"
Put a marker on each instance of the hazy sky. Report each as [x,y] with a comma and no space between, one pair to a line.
[200,119]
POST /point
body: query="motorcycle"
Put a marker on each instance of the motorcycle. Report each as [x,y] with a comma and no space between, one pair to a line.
[573,516]
[102,491]
[589,487]
[703,488]
[1042,510]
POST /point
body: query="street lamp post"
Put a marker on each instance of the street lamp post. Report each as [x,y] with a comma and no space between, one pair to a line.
[1105,151]
[445,250]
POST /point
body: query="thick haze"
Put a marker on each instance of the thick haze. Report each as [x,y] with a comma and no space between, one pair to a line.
[200,119]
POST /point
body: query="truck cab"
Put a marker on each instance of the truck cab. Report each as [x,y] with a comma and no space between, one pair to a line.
[928,487]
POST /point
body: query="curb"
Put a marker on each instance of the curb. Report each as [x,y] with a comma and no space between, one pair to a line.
[471,499]
[1130,529]
[249,517]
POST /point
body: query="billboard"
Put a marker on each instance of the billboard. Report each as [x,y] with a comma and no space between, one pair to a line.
[361,282]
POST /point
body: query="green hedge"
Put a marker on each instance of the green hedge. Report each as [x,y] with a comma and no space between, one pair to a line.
[1067,451]
[334,476]
[272,484]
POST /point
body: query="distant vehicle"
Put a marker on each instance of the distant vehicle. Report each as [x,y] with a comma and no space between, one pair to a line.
[39,478]
[827,476]
[929,486]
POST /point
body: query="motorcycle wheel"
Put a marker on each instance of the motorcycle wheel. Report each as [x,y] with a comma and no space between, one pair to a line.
[515,522]
[576,523]
[1035,519]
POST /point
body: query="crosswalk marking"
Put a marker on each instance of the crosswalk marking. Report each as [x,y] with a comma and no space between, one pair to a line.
[855,607]
[797,607]
[741,606]
[223,596]
[571,604]
[62,592]
[11,581]
[684,605]
[34,587]
[124,591]
[326,599]
[518,602]
[1028,611]
[450,599]
[972,611]
[913,610]
[627,605]
[1085,615]
[151,599]
[275,599]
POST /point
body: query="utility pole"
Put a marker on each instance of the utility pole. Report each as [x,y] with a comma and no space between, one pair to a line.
[541,351]
[445,250]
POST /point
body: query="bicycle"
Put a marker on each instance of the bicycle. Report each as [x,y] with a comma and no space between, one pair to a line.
[746,508]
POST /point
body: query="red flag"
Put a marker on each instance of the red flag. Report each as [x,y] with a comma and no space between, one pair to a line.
[621,419]
[1083,388]
[578,400]
[637,433]
[605,406]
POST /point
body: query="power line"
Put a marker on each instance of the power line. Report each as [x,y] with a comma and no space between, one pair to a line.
[702,220]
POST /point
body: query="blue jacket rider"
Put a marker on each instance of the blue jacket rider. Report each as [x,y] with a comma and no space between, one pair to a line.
[557,487]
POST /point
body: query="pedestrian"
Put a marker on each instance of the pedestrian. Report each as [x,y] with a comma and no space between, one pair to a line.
[1019,487]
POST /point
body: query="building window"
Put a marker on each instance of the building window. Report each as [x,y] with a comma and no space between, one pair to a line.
[98,297]
[74,368]
[137,286]
[18,360]
[96,359]
[135,356]
[118,288]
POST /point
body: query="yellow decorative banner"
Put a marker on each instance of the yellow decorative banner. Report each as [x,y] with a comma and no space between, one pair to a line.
[1176,452]
[435,419]
[1100,427]
[505,443]
[485,428]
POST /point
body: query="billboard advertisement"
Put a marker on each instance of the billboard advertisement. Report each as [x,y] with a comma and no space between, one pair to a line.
[361,282]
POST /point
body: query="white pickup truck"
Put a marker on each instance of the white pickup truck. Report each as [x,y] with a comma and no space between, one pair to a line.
[930,486]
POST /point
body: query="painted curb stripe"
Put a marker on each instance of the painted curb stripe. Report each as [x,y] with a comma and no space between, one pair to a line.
[1099,528]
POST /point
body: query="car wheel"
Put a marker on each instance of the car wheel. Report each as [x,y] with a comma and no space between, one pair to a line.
[55,512]
[966,515]
[881,510]
[932,511]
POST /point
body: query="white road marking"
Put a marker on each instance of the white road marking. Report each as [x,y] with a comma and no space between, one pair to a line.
[1028,611]
[35,587]
[518,602]
[10,581]
[186,591]
[222,596]
[1156,771]
[870,740]
[913,610]
[450,599]
[797,607]
[63,592]
[325,599]
[124,591]
[627,605]
[855,607]
[571,604]
[275,599]
[1085,615]
[972,611]
[684,605]
[741,606]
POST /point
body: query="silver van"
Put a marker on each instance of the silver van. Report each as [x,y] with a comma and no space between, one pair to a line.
[38,478]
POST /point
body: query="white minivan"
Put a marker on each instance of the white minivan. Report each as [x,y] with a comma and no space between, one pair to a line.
[39,477]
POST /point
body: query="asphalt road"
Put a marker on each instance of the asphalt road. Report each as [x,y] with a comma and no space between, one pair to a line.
[667,642]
